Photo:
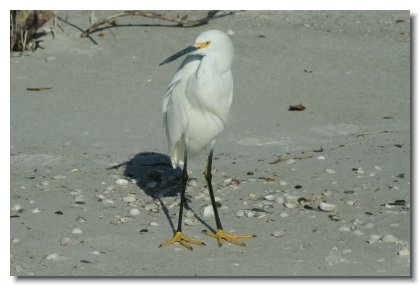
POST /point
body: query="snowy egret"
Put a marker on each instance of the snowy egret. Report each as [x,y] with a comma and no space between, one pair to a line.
[195,110]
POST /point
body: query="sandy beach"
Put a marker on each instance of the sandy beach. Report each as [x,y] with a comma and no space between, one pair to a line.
[326,190]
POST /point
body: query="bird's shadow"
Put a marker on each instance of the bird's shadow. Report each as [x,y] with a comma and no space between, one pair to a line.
[155,176]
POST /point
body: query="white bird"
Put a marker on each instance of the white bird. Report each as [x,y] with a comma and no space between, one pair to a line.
[195,110]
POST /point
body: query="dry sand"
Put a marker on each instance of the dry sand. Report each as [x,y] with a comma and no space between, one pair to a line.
[351,70]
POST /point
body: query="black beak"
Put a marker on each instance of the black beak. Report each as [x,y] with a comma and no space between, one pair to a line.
[179,54]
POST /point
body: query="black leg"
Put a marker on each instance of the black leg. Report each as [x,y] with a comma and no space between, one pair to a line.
[179,236]
[184,185]
[220,233]
[208,176]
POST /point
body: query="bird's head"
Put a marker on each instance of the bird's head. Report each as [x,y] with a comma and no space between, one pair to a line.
[208,42]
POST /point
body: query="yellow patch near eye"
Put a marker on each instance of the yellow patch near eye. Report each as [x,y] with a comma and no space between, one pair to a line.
[202,44]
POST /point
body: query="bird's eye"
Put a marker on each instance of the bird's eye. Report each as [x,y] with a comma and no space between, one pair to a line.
[208,43]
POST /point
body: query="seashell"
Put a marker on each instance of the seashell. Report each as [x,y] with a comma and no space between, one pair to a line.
[134,212]
[327,207]
[121,182]
[374,238]
[269,197]
[344,228]
[240,213]
[389,238]
[283,215]
[279,233]
[404,252]
[290,205]
[76,230]
[208,212]
[79,199]
[151,207]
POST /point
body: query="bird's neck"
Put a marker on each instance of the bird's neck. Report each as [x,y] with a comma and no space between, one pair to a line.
[216,62]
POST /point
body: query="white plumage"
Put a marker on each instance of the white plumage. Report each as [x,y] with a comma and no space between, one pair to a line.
[198,99]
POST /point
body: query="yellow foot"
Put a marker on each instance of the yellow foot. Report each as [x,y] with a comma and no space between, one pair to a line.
[183,240]
[221,235]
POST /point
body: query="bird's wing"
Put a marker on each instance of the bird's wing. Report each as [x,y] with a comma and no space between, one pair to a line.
[175,108]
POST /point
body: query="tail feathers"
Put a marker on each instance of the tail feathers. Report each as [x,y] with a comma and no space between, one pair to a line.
[177,155]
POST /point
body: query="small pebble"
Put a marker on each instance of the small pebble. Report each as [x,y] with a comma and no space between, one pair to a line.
[134,212]
[290,161]
[360,171]
[76,230]
[327,207]
[95,252]
[320,158]
[378,168]
[121,182]
[389,238]
[74,170]
[35,211]
[230,32]
[283,215]
[279,233]
[227,181]
[208,212]
[15,240]
[329,171]
[153,223]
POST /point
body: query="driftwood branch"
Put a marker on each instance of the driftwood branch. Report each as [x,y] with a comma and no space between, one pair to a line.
[23,28]
[181,21]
